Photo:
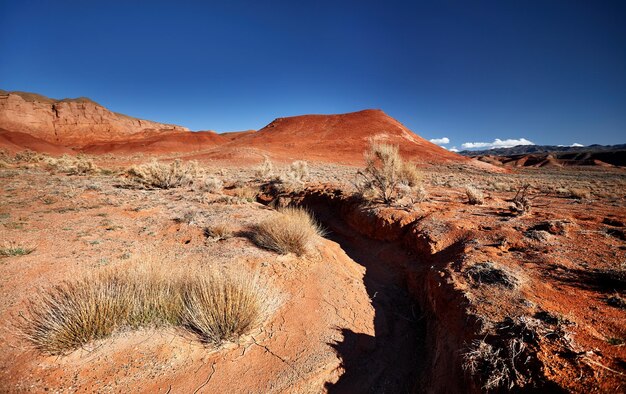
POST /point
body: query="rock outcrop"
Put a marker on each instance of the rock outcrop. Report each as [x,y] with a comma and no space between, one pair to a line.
[73,122]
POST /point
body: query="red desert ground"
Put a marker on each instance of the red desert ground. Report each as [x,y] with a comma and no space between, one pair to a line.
[321,253]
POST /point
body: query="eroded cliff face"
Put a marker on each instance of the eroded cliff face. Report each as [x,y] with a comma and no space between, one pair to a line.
[73,122]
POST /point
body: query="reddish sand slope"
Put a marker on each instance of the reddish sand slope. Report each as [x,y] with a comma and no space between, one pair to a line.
[13,141]
[339,138]
[162,143]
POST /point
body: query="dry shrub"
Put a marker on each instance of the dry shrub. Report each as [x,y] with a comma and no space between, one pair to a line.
[420,193]
[293,179]
[211,184]
[579,193]
[79,165]
[385,171]
[410,175]
[265,170]
[484,360]
[28,156]
[245,193]
[474,196]
[219,231]
[522,203]
[217,307]
[490,274]
[292,230]
[164,176]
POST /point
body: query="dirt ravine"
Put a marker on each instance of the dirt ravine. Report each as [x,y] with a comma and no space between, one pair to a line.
[429,316]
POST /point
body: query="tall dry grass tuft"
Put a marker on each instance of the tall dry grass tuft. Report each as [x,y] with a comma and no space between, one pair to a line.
[223,308]
[164,176]
[217,307]
[292,230]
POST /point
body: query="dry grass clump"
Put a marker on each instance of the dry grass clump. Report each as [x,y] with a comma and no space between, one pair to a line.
[164,176]
[12,249]
[489,273]
[218,231]
[386,174]
[217,307]
[222,308]
[292,230]
[474,196]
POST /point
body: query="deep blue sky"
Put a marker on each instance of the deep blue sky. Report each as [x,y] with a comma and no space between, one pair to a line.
[553,72]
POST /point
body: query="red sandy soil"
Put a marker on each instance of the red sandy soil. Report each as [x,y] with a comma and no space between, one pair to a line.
[13,141]
[387,303]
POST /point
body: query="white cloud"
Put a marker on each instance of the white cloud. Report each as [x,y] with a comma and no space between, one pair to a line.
[576,145]
[497,143]
[440,141]
[453,149]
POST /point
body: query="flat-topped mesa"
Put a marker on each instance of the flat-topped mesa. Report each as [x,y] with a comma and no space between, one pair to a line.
[343,137]
[75,122]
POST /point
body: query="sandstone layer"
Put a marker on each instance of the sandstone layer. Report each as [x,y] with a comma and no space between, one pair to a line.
[72,122]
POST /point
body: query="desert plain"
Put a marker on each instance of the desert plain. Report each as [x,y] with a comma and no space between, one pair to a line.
[417,270]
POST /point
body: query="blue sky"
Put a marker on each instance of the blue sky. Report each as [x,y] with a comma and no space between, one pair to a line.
[550,72]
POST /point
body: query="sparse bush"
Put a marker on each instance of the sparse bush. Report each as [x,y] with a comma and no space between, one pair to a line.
[292,230]
[265,170]
[474,196]
[164,176]
[384,172]
[217,307]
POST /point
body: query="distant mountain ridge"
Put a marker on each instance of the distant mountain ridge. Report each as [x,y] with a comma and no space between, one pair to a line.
[550,155]
[528,149]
